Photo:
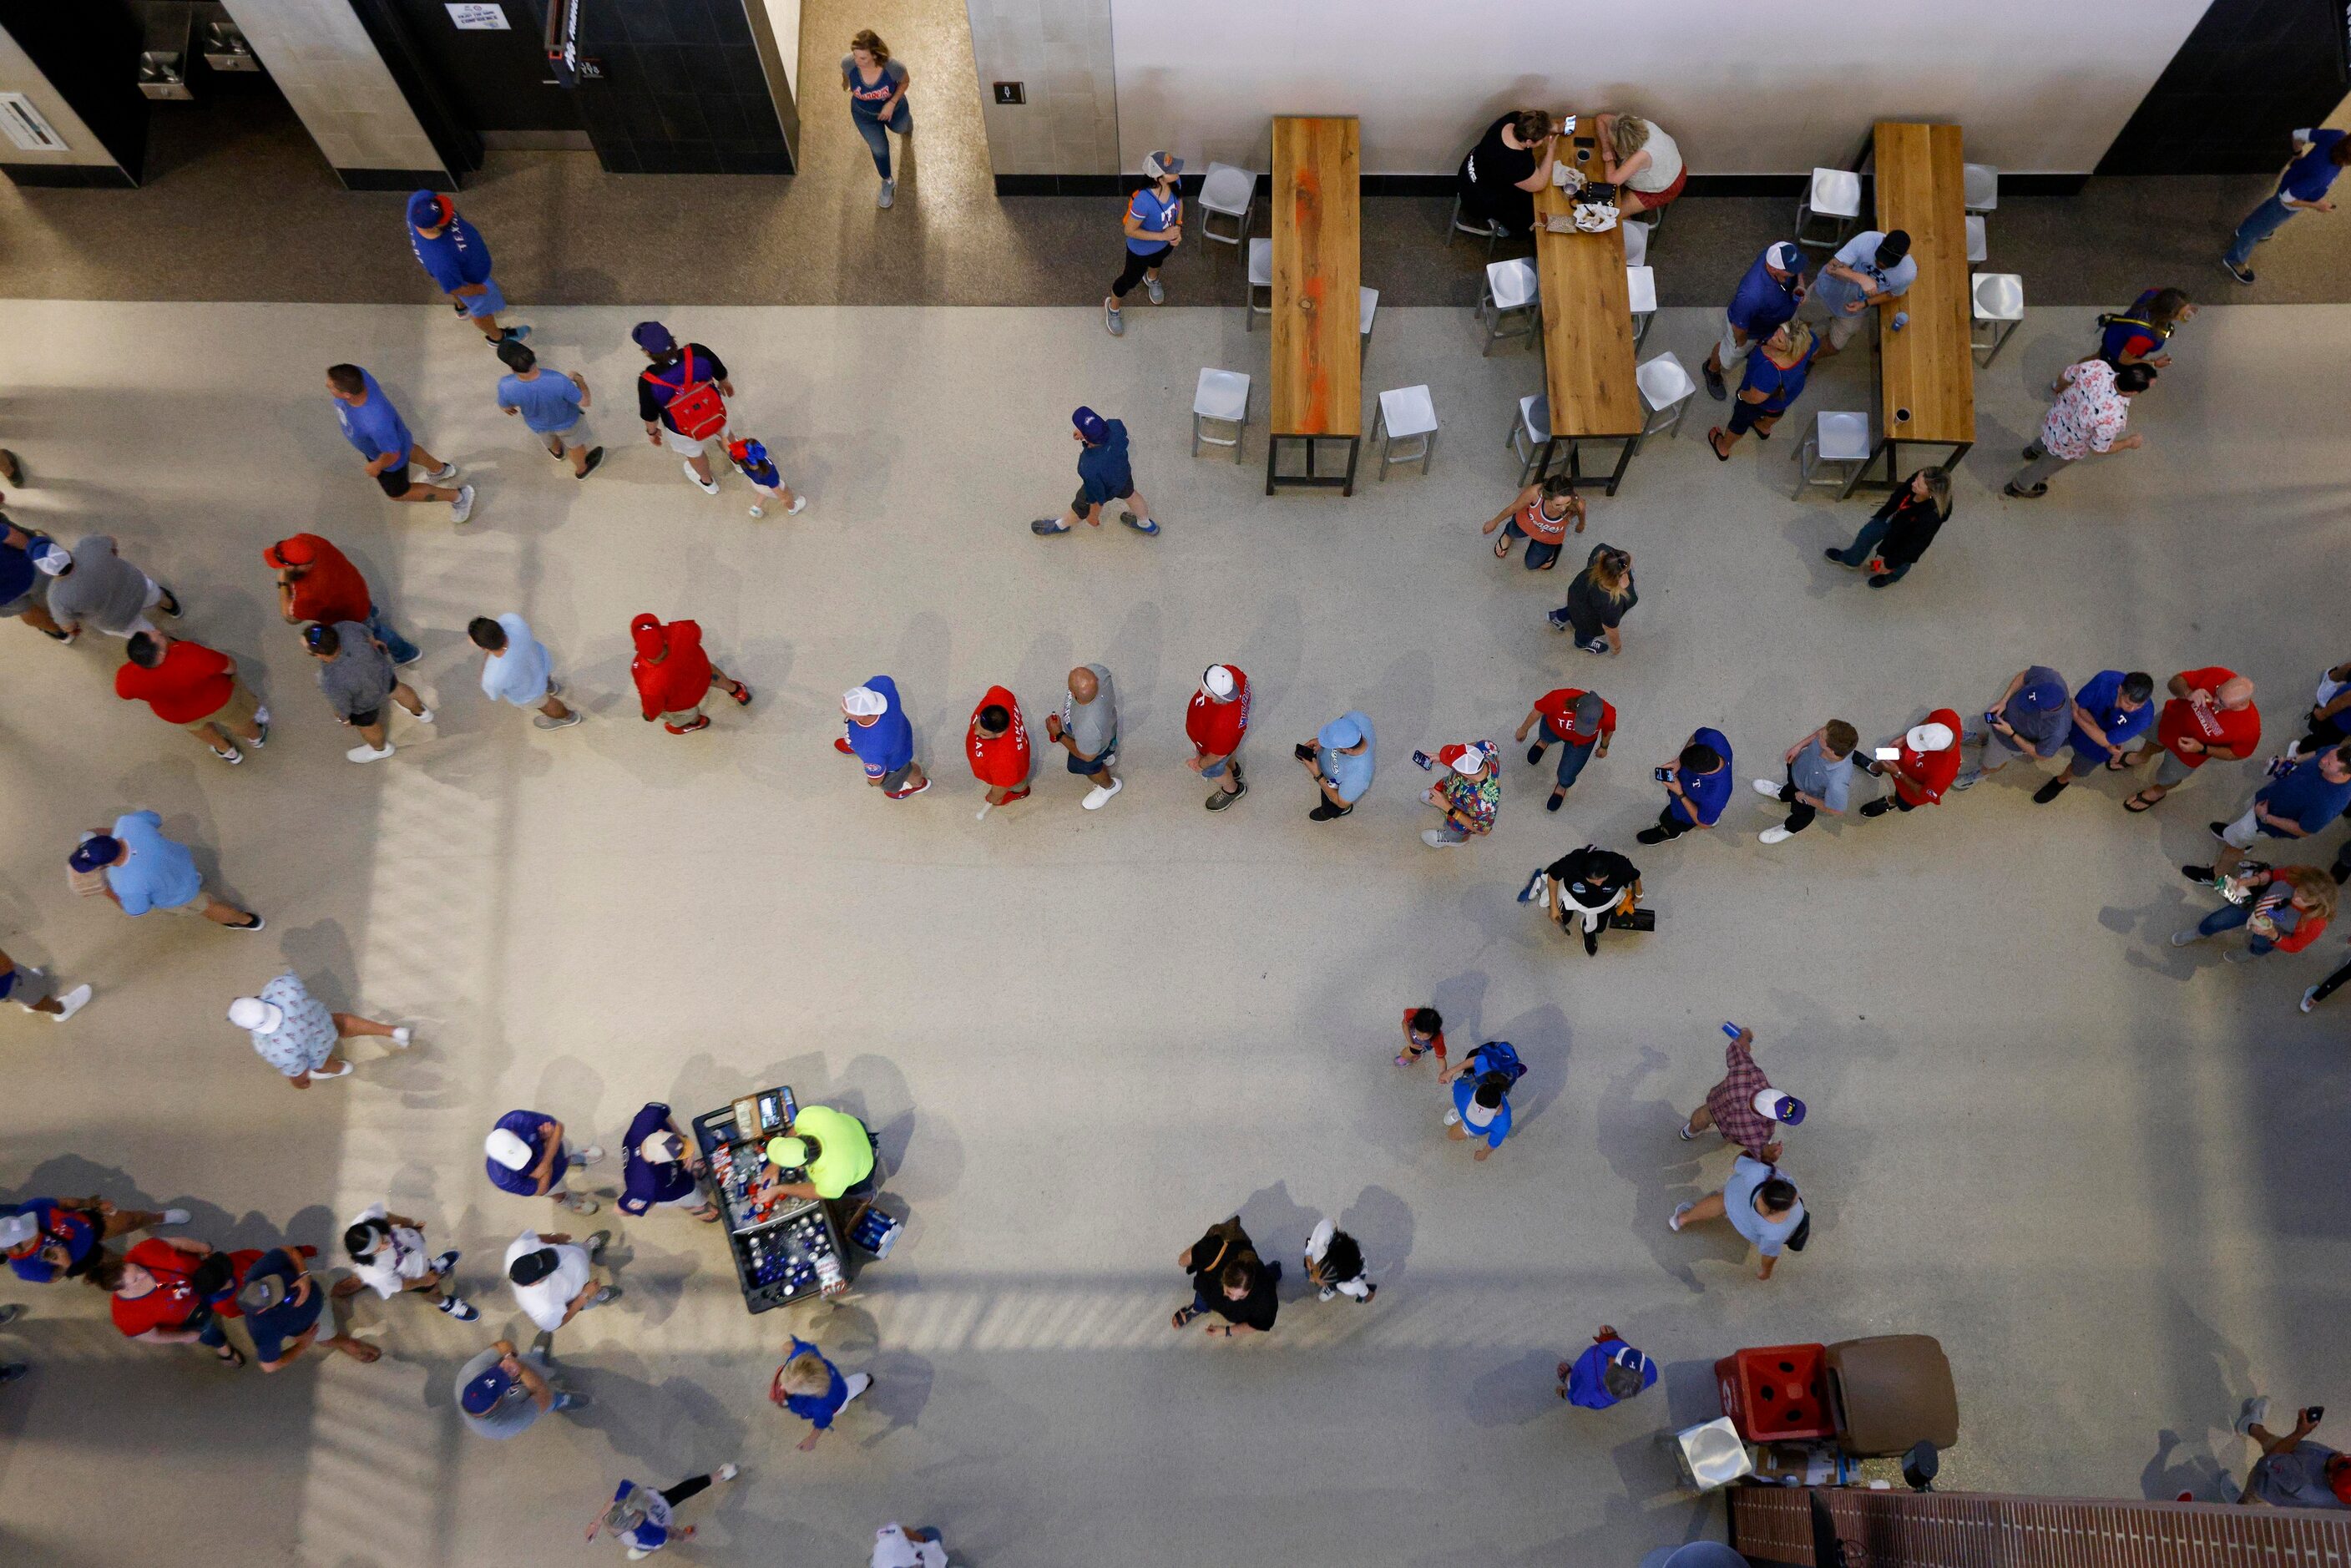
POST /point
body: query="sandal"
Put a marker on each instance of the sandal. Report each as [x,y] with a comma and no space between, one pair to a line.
[1719,455]
[2138,803]
[1184,1316]
[372,1353]
[1502,548]
[741,693]
[707,1214]
[229,1356]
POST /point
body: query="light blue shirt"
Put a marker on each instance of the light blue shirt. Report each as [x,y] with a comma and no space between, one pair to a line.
[548,402]
[1860,253]
[519,672]
[159,873]
[1349,773]
[305,1037]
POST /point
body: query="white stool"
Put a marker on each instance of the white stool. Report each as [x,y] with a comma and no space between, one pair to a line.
[1977,249]
[1666,387]
[1406,414]
[1261,275]
[1839,438]
[1641,284]
[1528,433]
[1636,243]
[1980,181]
[1999,306]
[1834,194]
[1231,192]
[1223,398]
[1510,286]
[1461,225]
[1367,307]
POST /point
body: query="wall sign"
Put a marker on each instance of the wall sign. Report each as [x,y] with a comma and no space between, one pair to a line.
[478,17]
[26,127]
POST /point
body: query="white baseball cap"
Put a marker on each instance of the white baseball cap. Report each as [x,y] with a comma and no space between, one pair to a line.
[658,1147]
[1471,761]
[16,1230]
[252,1012]
[863,702]
[508,1149]
[1931,738]
[1785,256]
[1216,680]
[54,560]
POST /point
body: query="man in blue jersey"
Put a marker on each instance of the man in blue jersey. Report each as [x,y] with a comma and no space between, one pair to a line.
[1154,225]
[1767,296]
[454,256]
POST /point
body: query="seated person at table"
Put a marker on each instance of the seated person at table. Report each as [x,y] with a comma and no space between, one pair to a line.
[1775,378]
[830,1148]
[1499,177]
[1641,161]
[1873,270]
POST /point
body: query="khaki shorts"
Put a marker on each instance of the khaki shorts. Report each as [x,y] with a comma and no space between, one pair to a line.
[683,717]
[196,905]
[239,709]
[1728,352]
[576,436]
[1840,328]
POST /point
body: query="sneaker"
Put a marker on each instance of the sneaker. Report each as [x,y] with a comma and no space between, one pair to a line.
[1326,1293]
[1113,323]
[758,510]
[1151,285]
[905,794]
[1437,840]
[2310,999]
[595,1244]
[1369,1291]
[1045,528]
[2239,956]
[588,1156]
[1883,580]
[462,508]
[1679,1209]
[2254,1413]
[1969,780]
[443,474]
[514,334]
[702,723]
[2187,938]
[1452,1118]
[369,753]
[1714,387]
[169,604]
[726,1472]
[458,1307]
[541,721]
[707,486]
[402,1038]
[176,1216]
[1558,620]
[261,727]
[840,744]
[320,1075]
[1767,789]
[427,717]
[447,1261]
[578,1203]
[567,1401]
[595,458]
[1687,1134]
[1837,557]
[73,1001]
[1327,813]
[2218,829]
[1877,807]
[229,754]
[608,1293]
[2197,873]
[889,193]
[258,924]
[1652,836]
[1557,797]
[1220,799]
[2242,274]
[2049,791]
[2032,494]
[1775,835]
[799,505]
[1534,882]
[1147,527]
[1098,796]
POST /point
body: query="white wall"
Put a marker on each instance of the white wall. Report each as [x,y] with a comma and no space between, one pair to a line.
[784,16]
[1060,50]
[327,68]
[1746,87]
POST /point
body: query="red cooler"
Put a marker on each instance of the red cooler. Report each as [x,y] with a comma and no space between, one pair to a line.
[1777,1393]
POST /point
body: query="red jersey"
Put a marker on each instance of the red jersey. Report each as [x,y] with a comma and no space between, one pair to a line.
[173,1301]
[1000,761]
[1558,710]
[1217,727]
[1921,778]
[1542,528]
[2239,730]
[191,681]
[331,590]
[680,681]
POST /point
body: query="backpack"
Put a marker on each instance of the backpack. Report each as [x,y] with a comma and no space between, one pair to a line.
[697,410]
[1500,1057]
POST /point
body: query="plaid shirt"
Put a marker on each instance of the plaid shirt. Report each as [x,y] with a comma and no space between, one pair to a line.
[1732,1100]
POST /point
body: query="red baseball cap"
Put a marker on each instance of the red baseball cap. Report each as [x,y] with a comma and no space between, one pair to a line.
[295,551]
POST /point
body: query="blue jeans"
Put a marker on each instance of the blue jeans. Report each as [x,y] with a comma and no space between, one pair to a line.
[902,123]
[1539,554]
[1571,756]
[2228,917]
[1858,553]
[400,647]
[2265,221]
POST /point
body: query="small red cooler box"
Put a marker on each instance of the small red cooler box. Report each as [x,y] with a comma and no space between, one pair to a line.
[1777,1393]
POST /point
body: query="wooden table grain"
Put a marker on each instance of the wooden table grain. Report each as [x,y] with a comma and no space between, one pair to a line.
[1587,318]
[1926,371]
[1318,360]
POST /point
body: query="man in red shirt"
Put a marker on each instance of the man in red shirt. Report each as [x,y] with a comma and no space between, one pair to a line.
[1216,720]
[1923,773]
[1583,720]
[997,744]
[2211,713]
[673,674]
[158,1297]
[315,581]
[196,688]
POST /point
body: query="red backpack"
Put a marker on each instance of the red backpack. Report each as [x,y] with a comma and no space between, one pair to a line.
[696,410]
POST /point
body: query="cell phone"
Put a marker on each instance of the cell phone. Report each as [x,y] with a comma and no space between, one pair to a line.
[2315,1415]
[1661,774]
[1990,716]
[1422,757]
[1888,753]
[1305,751]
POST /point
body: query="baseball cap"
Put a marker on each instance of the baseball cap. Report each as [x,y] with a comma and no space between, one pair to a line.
[863,702]
[1158,164]
[94,851]
[427,210]
[1931,738]
[788,1154]
[651,337]
[252,1012]
[1894,247]
[748,453]
[1785,256]
[646,632]
[1779,1107]
[54,558]
[1339,734]
[1090,424]
[1216,680]
[532,1267]
[663,1147]
[515,354]
[507,1149]
[261,1294]
[2338,1478]
[2040,696]
[291,552]
[16,1230]
[1588,710]
[486,1390]
[1462,759]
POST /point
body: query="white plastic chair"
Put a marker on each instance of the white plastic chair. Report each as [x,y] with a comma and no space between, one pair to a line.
[1461,226]
[1510,286]
[1529,431]
[1834,438]
[1229,193]
[1261,275]
[1406,414]
[1833,194]
[1636,243]
[1222,398]
[1641,285]
[1976,249]
[1666,388]
[1367,307]
[1981,185]
[1999,306]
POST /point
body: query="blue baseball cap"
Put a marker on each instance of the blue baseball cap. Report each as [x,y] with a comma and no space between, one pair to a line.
[1340,733]
[1090,426]
[94,852]
[1790,1111]
[2042,696]
[427,210]
[651,337]
[485,1391]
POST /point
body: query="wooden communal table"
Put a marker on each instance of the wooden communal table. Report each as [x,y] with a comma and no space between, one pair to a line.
[1318,356]
[1587,321]
[1926,371]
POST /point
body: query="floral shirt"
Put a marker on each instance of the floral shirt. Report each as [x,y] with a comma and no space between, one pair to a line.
[1475,800]
[304,1039]
[2088,415]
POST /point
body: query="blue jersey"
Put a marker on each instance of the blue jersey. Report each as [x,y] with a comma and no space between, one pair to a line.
[457,255]
[1153,215]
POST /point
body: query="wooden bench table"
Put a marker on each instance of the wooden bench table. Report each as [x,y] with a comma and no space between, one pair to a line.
[1926,371]
[1587,331]
[1318,357]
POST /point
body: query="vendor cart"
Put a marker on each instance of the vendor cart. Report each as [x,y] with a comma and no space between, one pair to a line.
[1808,1411]
[785,1249]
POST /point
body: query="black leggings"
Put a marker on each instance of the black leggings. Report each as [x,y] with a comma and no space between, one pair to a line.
[1743,415]
[1137,264]
[691,1487]
[1799,816]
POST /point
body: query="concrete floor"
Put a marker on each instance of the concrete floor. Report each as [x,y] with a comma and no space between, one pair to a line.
[2093,1165]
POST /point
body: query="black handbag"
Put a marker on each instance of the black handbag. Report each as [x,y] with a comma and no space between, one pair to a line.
[1802,1234]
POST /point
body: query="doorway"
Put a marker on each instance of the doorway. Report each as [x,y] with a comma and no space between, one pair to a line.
[488,57]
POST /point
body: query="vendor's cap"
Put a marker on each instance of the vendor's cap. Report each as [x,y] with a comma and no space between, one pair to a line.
[508,1149]
[95,851]
[532,1267]
[1931,738]
[1340,733]
[1217,681]
[788,1154]
[16,1230]
[1090,424]
[1158,164]
[1779,1107]
[427,210]
[2042,696]
[252,1012]
[482,1394]
[663,1147]
[651,337]
[863,702]
[260,1295]
[54,558]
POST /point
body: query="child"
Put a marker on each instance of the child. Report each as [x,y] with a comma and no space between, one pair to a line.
[759,468]
[1424,1029]
[1335,1263]
[1608,1373]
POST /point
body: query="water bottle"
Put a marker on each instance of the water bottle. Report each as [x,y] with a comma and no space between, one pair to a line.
[1731,1029]
[1901,320]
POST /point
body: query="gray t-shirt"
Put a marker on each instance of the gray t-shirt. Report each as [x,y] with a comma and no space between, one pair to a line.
[102,590]
[2295,1477]
[515,1410]
[2045,730]
[1860,253]
[358,679]
[1093,726]
[1825,781]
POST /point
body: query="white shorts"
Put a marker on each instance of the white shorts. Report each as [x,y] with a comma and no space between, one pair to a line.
[2242,834]
[686,445]
[1728,352]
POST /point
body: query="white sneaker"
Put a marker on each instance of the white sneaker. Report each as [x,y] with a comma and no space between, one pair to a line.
[427,717]
[707,486]
[320,1075]
[1437,840]
[443,474]
[799,505]
[2183,938]
[1452,1118]
[588,1156]
[402,1037]
[177,1217]
[2256,1413]
[2309,1001]
[369,753]
[1098,797]
[462,507]
[889,193]
[1775,835]
[1765,787]
[758,510]
[73,1001]
[578,1203]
